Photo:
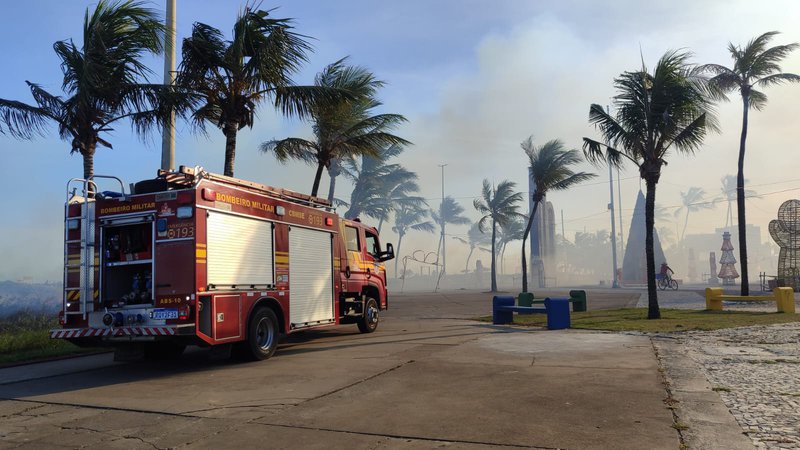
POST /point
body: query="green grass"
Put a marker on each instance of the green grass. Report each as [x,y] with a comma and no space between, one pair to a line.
[635,319]
[25,336]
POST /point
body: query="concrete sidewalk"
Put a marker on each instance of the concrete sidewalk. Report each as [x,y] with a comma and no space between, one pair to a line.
[425,379]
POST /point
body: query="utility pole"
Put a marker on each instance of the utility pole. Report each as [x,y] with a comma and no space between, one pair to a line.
[613,227]
[621,224]
[441,217]
[168,134]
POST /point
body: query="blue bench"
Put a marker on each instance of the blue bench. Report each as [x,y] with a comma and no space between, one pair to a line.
[557,310]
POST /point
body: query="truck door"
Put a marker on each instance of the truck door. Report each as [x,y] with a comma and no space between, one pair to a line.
[354,268]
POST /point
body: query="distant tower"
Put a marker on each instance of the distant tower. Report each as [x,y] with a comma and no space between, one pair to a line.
[727,261]
[542,237]
[712,275]
[692,273]
[634,265]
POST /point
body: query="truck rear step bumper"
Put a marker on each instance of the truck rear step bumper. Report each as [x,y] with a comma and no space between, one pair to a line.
[70,333]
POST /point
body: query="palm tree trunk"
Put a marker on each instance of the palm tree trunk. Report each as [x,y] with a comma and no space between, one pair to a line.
[653,311]
[729,215]
[493,268]
[685,224]
[745,288]
[397,255]
[230,130]
[528,227]
[88,162]
[88,167]
[317,177]
[469,256]
[380,224]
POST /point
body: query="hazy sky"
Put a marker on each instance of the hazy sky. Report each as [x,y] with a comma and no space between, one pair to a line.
[474,78]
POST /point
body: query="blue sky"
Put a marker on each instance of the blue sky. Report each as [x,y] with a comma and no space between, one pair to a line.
[474,78]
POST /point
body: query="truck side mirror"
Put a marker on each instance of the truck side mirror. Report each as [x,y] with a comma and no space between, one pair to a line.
[388,254]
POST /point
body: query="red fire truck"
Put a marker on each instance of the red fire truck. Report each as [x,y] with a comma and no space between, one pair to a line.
[191,257]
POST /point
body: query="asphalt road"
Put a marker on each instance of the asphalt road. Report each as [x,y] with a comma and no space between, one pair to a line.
[427,378]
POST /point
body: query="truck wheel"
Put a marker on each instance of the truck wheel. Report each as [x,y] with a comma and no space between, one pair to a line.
[262,335]
[369,321]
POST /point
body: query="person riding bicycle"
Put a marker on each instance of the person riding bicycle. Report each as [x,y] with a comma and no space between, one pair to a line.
[666,271]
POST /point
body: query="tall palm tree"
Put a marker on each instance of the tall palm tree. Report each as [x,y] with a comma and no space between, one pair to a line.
[342,127]
[407,219]
[497,206]
[550,168]
[655,112]
[476,239]
[104,82]
[228,80]
[728,193]
[449,212]
[692,200]
[754,66]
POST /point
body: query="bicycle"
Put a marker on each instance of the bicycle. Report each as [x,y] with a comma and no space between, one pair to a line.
[665,282]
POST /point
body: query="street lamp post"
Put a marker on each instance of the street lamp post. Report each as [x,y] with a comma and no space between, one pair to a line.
[441,217]
[168,134]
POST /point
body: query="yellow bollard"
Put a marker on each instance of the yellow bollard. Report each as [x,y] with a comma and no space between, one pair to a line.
[784,297]
[713,302]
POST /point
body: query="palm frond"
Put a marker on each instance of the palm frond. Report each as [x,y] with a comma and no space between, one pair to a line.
[291,148]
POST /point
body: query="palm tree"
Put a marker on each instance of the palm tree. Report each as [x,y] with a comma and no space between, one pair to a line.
[379,187]
[104,82]
[475,239]
[449,212]
[342,127]
[230,79]
[728,191]
[692,201]
[513,231]
[498,206]
[549,167]
[754,66]
[407,219]
[655,112]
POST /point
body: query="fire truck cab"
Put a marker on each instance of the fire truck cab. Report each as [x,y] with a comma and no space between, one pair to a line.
[196,258]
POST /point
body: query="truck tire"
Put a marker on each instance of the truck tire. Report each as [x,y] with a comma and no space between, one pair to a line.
[368,322]
[262,336]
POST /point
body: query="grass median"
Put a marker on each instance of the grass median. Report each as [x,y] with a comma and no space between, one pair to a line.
[635,319]
[25,337]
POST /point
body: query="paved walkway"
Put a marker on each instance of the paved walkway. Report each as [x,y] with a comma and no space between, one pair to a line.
[430,378]
[427,378]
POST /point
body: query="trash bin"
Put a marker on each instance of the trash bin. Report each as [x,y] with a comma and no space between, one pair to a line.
[525,299]
[578,300]
[557,313]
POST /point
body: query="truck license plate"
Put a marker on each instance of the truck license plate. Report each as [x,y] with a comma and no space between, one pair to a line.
[161,314]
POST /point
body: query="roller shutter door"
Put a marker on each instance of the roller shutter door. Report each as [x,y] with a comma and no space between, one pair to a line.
[239,251]
[310,276]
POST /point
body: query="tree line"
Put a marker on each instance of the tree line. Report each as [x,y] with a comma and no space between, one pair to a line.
[222,82]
